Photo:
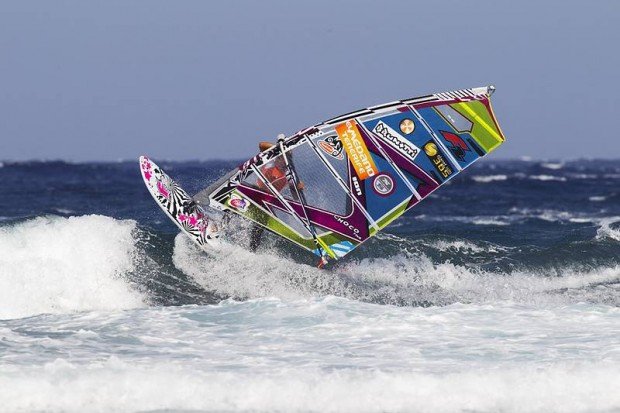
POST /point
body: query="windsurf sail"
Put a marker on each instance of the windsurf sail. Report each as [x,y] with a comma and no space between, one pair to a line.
[352,175]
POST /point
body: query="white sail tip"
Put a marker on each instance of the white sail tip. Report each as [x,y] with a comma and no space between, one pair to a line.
[483,90]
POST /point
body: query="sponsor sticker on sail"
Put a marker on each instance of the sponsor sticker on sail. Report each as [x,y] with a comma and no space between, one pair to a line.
[439,162]
[356,149]
[396,140]
[238,202]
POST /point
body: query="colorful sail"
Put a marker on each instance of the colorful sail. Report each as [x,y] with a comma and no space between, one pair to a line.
[352,175]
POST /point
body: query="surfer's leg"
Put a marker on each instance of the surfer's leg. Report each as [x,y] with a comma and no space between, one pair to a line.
[255,237]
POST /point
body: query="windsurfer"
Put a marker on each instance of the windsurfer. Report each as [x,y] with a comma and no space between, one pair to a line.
[276,175]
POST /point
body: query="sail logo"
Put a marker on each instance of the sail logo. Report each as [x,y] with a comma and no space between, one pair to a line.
[349,226]
[332,146]
[356,186]
[458,147]
[440,164]
[383,184]
[238,203]
[356,149]
[396,140]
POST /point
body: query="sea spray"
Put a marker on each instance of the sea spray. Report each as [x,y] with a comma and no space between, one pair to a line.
[56,265]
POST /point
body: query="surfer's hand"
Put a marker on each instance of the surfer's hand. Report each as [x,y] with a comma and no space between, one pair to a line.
[300,186]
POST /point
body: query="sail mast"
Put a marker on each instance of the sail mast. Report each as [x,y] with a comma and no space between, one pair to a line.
[302,200]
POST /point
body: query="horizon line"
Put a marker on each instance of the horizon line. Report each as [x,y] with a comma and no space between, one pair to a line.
[127,160]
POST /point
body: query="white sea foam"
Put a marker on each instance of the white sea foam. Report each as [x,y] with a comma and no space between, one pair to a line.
[606,231]
[487,221]
[582,176]
[597,198]
[553,215]
[327,354]
[434,282]
[64,211]
[403,278]
[545,178]
[606,228]
[517,215]
[53,264]
[120,386]
[499,220]
[552,165]
[528,340]
[443,245]
[251,275]
[462,246]
[489,178]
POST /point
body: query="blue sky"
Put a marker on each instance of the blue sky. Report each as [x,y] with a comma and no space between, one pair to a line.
[201,80]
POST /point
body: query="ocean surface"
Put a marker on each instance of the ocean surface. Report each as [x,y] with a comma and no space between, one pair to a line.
[500,293]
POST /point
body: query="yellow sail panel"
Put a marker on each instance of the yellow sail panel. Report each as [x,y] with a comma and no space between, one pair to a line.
[485,128]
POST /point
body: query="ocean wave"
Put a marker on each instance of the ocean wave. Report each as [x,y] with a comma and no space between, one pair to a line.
[35,162]
[443,283]
[498,220]
[59,265]
[609,229]
[515,216]
[64,211]
[486,221]
[552,165]
[462,246]
[236,272]
[55,265]
[597,198]
[518,215]
[582,176]
[554,215]
[408,279]
[546,178]
[489,178]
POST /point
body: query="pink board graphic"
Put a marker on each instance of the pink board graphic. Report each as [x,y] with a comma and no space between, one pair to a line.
[178,205]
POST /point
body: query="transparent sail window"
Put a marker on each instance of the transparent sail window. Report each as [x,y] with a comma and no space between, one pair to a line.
[320,188]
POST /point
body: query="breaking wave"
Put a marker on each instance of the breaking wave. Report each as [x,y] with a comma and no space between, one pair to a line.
[405,279]
[56,265]
[609,229]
